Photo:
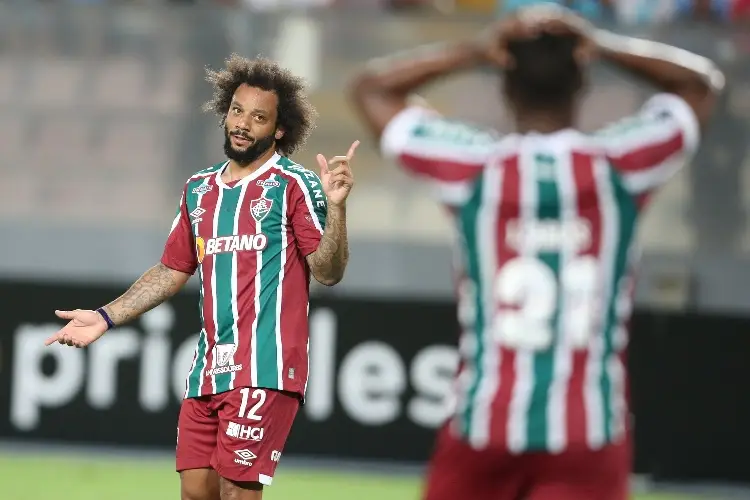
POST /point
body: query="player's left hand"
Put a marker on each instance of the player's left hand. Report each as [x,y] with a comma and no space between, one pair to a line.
[336,175]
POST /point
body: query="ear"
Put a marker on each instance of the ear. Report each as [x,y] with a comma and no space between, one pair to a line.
[279,134]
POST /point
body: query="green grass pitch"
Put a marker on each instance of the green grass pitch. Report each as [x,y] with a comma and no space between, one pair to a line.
[31,477]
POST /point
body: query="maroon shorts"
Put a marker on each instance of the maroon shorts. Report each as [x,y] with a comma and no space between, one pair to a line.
[239,433]
[458,471]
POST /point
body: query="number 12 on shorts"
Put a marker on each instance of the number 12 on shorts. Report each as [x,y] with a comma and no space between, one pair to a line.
[249,394]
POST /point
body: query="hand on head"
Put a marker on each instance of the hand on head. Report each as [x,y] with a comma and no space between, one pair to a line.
[529,23]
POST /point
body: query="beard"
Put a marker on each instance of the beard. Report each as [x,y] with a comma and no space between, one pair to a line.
[256,149]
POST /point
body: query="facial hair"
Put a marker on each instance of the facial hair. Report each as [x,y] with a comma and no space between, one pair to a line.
[255,150]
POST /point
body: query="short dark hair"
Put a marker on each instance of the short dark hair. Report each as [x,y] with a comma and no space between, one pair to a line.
[296,115]
[545,73]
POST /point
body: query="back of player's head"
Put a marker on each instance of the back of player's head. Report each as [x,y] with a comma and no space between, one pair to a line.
[295,113]
[545,72]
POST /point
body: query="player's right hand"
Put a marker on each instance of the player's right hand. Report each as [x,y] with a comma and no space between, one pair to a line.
[84,327]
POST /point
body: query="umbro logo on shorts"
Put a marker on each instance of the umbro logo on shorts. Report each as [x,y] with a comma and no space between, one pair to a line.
[245,457]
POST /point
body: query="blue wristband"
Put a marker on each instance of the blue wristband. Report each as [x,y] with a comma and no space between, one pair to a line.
[104,315]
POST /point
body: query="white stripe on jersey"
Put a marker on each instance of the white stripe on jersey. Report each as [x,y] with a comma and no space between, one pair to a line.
[610,227]
[238,214]
[280,290]
[642,181]
[399,138]
[215,319]
[524,364]
[486,228]
[179,213]
[192,365]
[557,415]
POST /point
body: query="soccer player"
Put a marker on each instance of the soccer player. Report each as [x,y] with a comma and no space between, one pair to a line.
[255,227]
[546,221]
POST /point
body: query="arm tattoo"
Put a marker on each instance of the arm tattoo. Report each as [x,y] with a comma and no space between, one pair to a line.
[154,287]
[328,262]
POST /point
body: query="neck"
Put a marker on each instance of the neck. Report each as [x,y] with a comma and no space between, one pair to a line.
[545,121]
[237,171]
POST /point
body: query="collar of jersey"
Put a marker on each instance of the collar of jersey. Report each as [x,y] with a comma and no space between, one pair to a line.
[261,170]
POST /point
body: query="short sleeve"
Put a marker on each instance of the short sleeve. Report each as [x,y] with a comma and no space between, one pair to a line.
[444,153]
[308,208]
[179,250]
[649,147]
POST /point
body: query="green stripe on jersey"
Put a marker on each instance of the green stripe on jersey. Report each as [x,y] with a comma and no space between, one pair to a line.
[627,214]
[268,351]
[467,220]
[548,208]
[194,378]
[223,274]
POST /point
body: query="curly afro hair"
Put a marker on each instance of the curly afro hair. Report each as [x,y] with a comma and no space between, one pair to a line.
[296,116]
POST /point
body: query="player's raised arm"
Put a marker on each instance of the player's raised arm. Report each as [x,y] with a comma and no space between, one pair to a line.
[696,79]
[155,286]
[384,88]
[328,262]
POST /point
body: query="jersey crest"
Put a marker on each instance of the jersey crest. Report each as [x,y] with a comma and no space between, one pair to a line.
[260,208]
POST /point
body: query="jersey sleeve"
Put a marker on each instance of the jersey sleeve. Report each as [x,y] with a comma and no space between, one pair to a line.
[648,148]
[446,154]
[308,208]
[179,250]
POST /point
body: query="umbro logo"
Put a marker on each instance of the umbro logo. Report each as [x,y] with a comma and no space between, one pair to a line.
[245,457]
[196,214]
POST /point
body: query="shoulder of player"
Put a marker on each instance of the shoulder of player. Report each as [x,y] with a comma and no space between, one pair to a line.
[297,175]
[454,132]
[200,175]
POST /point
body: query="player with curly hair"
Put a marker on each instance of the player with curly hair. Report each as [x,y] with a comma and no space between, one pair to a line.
[255,227]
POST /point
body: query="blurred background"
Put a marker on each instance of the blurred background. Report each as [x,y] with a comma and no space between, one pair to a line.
[100,125]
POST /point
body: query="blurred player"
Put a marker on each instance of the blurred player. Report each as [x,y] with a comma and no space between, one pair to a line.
[255,227]
[546,219]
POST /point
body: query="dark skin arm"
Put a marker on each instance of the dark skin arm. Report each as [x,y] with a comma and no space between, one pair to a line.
[670,69]
[696,79]
[383,89]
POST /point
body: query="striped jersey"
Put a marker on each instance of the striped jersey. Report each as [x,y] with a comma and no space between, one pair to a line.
[543,267]
[248,241]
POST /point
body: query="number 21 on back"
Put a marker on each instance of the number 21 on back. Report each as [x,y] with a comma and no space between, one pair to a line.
[534,304]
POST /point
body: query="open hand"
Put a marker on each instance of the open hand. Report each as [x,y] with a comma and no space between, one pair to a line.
[336,175]
[83,328]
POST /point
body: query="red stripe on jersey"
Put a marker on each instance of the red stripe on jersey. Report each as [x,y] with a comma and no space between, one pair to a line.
[649,155]
[206,231]
[441,169]
[509,209]
[588,208]
[247,263]
[295,295]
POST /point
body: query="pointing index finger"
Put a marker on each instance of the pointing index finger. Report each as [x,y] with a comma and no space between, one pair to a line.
[352,149]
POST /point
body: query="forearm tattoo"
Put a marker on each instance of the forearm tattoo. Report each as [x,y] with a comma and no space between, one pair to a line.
[154,287]
[329,261]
